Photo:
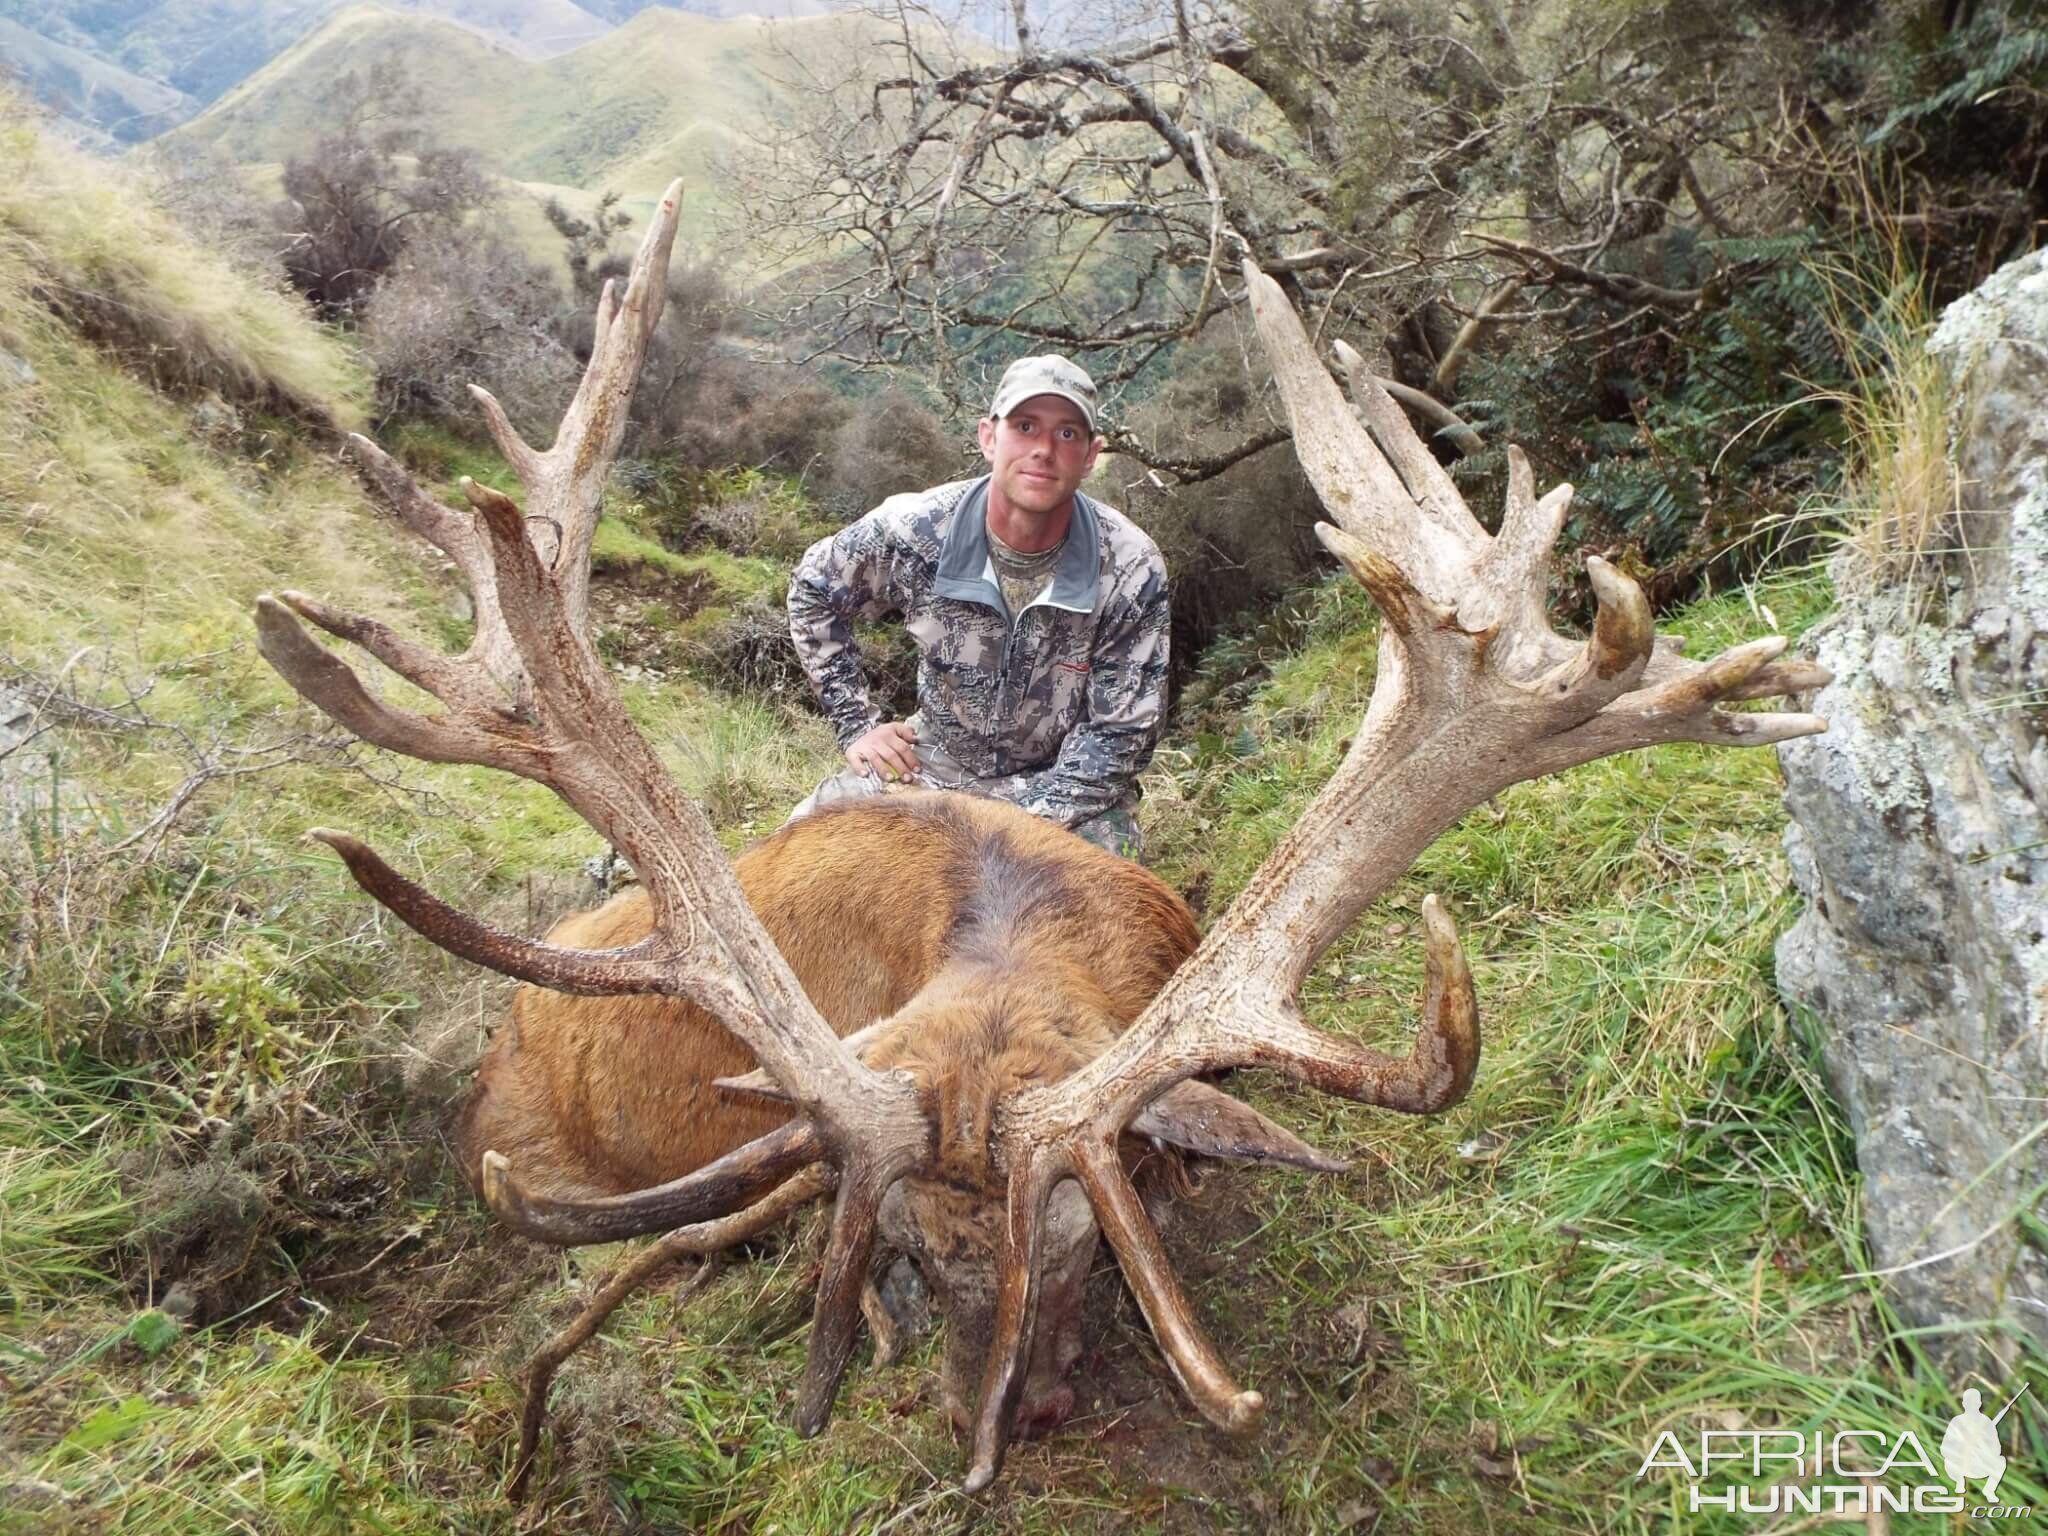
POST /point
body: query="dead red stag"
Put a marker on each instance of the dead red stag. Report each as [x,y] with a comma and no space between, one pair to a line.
[1023,1007]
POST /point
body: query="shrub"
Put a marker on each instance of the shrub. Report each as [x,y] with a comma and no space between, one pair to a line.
[376,183]
[889,443]
[751,513]
[465,307]
[709,399]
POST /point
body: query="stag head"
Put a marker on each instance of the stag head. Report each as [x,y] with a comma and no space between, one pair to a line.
[1474,692]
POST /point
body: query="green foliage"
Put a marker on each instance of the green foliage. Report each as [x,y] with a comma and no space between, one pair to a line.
[742,510]
[61,1203]
[1996,54]
[153,1332]
[1692,443]
[436,453]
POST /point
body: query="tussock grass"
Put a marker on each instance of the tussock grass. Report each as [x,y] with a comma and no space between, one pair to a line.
[1903,494]
[80,239]
[1899,504]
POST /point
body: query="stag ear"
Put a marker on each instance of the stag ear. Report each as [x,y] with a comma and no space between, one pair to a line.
[1197,1118]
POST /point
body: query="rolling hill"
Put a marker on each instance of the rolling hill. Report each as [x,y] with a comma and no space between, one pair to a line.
[130,70]
[652,99]
[103,102]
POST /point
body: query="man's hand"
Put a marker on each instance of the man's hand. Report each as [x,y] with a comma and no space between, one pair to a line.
[889,749]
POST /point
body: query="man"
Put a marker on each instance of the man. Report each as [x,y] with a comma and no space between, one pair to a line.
[1040,619]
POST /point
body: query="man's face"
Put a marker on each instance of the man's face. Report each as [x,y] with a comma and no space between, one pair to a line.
[1040,453]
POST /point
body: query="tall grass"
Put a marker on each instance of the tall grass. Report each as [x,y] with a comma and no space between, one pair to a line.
[80,238]
[1900,495]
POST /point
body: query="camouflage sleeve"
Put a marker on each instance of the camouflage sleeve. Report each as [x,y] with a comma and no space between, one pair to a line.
[851,575]
[1099,762]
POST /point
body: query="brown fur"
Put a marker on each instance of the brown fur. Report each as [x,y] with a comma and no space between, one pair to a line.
[1008,951]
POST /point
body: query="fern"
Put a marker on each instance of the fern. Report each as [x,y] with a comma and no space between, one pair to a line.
[2014,54]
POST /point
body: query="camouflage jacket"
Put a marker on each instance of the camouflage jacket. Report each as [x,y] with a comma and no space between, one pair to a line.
[1062,708]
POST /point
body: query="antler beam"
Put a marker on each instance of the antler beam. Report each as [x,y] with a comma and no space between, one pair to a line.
[1474,692]
[531,696]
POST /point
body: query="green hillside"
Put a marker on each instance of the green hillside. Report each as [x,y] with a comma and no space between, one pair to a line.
[647,102]
[108,102]
[199,48]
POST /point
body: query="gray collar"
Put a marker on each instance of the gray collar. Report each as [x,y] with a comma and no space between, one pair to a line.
[966,573]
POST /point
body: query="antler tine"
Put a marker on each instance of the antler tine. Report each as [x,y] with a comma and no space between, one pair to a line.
[454,534]
[570,475]
[1474,693]
[735,1180]
[1426,482]
[705,1240]
[447,678]
[636,968]
[835,1319]
[1193,1360]
[325,680]
[1433,540]
[1032,1177]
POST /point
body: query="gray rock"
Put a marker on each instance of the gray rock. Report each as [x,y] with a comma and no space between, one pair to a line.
[1919,837]
[180,1302]
[25,770]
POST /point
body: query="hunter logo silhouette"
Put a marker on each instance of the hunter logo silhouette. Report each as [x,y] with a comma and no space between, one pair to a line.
[1969,1446]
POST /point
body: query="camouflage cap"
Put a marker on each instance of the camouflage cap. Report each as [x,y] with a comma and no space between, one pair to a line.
[1048,374]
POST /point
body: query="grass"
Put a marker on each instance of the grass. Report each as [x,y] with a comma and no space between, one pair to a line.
[82,239]
[619,548]
[1900,501]
[1643,1217]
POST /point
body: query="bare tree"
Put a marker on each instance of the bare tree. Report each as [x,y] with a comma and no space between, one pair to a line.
[1415,178]
[463,306]
[375,181]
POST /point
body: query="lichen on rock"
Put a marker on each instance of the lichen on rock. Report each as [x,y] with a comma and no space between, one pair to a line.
[1919,838]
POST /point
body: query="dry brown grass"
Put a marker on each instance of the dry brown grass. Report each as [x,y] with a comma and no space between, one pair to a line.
[80,238]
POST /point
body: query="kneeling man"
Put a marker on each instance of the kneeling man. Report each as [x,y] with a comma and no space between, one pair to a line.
[1040,618]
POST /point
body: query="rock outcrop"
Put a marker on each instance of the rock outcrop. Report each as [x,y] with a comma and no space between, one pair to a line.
[1920,840]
